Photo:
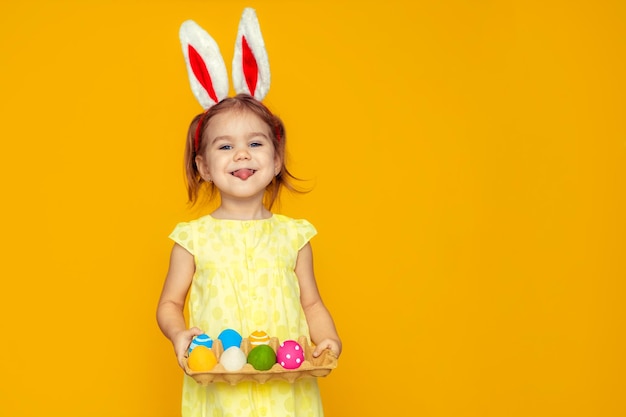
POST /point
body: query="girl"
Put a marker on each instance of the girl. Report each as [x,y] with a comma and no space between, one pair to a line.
[242,266]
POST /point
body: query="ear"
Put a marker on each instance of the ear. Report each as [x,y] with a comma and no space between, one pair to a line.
[278,163]
[203,168]
[251,68]
[205,66]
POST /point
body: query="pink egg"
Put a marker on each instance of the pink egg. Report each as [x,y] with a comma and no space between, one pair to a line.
[290,354]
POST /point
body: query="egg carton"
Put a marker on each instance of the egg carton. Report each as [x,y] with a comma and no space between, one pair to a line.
[311,367]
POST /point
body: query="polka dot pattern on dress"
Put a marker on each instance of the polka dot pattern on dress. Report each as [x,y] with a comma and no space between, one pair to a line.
[245,280]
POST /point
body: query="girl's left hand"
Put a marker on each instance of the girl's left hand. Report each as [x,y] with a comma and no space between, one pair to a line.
[333,345]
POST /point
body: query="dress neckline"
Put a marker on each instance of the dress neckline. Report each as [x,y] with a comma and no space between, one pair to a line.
[215,219]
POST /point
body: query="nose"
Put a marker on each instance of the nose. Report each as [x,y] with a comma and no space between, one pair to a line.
[242,154]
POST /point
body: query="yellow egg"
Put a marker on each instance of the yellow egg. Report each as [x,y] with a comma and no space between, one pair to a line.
[259,337]
[201,359]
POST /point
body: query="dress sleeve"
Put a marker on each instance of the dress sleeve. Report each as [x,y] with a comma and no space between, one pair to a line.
[306,231]
[183,235]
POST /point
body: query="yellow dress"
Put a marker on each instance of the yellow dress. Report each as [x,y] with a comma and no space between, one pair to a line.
[245,281]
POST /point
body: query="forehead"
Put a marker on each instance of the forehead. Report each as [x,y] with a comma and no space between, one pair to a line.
[234,121]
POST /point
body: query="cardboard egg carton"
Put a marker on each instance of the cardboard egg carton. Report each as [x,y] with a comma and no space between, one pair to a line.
[310,368]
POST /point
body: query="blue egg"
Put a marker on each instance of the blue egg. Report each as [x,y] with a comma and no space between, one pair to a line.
[201,340]
[229,338]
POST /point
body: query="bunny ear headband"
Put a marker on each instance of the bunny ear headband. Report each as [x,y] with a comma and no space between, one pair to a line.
[206,69]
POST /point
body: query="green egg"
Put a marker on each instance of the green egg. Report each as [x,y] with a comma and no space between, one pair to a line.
[262,357]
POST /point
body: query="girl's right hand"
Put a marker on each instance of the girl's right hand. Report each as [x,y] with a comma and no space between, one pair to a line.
[181,342]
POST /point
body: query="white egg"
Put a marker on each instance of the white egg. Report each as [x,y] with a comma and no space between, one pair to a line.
[233,358]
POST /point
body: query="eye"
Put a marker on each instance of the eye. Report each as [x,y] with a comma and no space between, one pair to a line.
[225,147]
[255,144]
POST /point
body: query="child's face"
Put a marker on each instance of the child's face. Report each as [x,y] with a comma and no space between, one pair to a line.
[239,156]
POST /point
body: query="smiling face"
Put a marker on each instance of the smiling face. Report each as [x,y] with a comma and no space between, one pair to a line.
[239,157]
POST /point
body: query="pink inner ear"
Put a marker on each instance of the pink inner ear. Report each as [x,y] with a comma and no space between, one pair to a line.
[201,72]
[250,67]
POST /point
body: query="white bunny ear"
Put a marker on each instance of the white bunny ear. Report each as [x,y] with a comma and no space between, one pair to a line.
[205,65]
[251,68]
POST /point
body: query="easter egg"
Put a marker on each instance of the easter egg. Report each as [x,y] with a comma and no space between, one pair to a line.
[290,354]
[258,337]
[201,359]
[201,340]
[262,357]
[233,359]
[230,337]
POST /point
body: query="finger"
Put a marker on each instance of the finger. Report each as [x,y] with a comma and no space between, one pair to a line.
[181,362]
[319,349]
[196,331]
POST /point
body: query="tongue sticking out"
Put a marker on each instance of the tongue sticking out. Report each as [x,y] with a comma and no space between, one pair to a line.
[243,173]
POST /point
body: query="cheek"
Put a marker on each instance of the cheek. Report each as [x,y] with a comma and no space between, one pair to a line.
[205,165]
[212,162]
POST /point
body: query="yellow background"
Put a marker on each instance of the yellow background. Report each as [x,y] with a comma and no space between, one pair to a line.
[468,163]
